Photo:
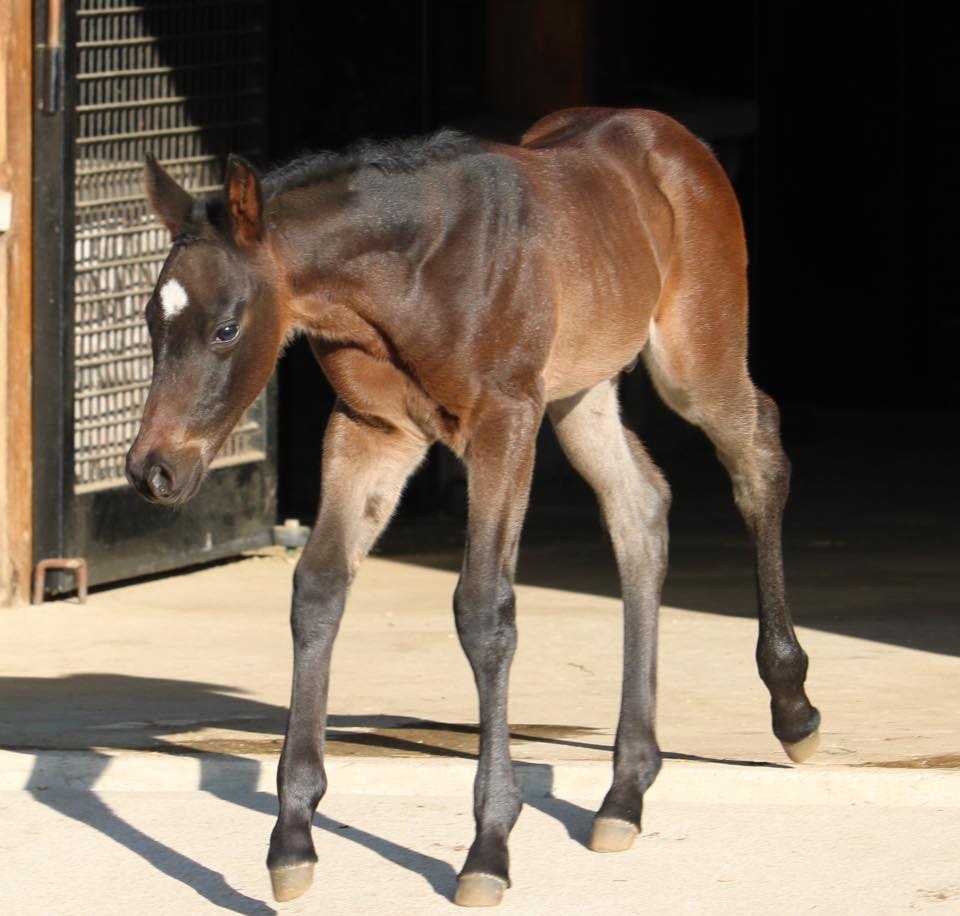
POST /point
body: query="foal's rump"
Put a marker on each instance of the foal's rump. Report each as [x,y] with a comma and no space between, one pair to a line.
[644,227]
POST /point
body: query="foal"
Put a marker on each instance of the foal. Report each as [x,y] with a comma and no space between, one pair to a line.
[455,291]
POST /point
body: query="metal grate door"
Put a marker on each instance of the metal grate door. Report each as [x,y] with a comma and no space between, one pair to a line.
[184,80]
[185,83]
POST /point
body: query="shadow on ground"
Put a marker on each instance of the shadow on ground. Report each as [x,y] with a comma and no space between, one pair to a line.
[106,711]
[83,804]
[871,540]
[96,712]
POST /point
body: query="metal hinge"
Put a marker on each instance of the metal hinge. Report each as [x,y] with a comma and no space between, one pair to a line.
[50,68]
[49,61]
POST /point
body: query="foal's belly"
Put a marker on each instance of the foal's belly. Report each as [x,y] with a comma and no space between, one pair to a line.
[603,321]
[593,347]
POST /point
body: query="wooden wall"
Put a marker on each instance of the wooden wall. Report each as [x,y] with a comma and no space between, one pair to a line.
[16,43]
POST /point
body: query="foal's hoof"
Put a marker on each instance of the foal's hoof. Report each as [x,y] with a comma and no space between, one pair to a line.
[610,834]
[803,749]
[290,881]
[479,890]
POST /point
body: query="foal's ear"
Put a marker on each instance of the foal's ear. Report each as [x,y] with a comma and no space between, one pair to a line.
[171,203]
[244,202]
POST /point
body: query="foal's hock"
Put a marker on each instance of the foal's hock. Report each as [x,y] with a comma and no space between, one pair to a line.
[456,291]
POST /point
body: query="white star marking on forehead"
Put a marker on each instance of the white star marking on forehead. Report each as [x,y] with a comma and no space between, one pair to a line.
[173,299]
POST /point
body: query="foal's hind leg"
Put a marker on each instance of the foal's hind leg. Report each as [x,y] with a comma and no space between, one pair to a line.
[364,470]
[635,498]
[699,368]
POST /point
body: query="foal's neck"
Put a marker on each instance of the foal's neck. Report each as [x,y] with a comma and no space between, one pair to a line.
[357,239]
[412,253]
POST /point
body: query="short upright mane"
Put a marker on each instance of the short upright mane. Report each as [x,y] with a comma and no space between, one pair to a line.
[389,156]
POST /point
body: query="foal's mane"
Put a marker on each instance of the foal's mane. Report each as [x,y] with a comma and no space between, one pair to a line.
[388,156]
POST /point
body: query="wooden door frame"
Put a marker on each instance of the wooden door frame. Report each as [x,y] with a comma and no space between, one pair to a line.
[16,301]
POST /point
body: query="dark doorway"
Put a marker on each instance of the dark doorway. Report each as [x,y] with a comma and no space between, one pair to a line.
[833,123]
[813,110]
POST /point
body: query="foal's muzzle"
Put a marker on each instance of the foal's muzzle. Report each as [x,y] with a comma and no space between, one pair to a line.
[166,480]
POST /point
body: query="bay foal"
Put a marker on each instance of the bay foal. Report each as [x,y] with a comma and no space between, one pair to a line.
[455,291]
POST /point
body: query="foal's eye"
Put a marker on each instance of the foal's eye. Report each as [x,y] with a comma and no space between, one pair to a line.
[226,333]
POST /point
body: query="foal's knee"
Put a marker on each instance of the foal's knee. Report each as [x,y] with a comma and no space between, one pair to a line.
[759,467]
[319,596]
[636,510]
[657,497]
[485,614]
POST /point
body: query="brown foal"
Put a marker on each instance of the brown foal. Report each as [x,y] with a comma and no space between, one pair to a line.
[454,291]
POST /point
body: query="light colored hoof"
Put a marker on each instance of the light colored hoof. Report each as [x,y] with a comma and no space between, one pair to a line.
[291,881]
[610,834]
[803,749]
[479,890]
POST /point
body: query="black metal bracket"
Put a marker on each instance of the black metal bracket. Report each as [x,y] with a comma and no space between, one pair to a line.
[75,565]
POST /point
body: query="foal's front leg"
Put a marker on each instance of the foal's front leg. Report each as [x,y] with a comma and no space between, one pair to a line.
[364,470]
[500,465]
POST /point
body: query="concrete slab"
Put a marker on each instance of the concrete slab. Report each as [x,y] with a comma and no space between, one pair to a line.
[194,853]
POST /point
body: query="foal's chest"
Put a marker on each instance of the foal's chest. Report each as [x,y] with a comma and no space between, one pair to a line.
[374,389]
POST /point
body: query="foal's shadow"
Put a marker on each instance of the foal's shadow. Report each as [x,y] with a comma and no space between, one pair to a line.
[88,808]
[242,790]
[536,779]
[96,711]
[93,712]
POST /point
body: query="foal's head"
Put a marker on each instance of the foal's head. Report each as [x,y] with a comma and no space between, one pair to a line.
[215,329]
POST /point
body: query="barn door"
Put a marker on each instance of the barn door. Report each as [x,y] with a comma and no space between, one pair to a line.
[185,80]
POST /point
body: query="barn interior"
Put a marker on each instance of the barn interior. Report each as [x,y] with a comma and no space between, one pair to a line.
[816,114]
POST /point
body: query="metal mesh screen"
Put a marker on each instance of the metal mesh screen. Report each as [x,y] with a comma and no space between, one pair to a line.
[183,80]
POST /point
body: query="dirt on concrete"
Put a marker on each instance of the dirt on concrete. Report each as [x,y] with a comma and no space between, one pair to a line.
[937,762]
[426,739]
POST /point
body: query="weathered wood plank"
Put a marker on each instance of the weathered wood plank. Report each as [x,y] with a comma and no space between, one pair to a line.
[16,60]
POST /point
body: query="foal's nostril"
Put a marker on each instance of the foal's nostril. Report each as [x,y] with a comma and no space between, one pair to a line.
[160,482]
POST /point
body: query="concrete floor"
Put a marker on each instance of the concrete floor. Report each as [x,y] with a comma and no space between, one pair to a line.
[183,853]
[197,667]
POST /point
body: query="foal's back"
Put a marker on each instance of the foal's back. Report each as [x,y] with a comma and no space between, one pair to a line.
[640,213]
